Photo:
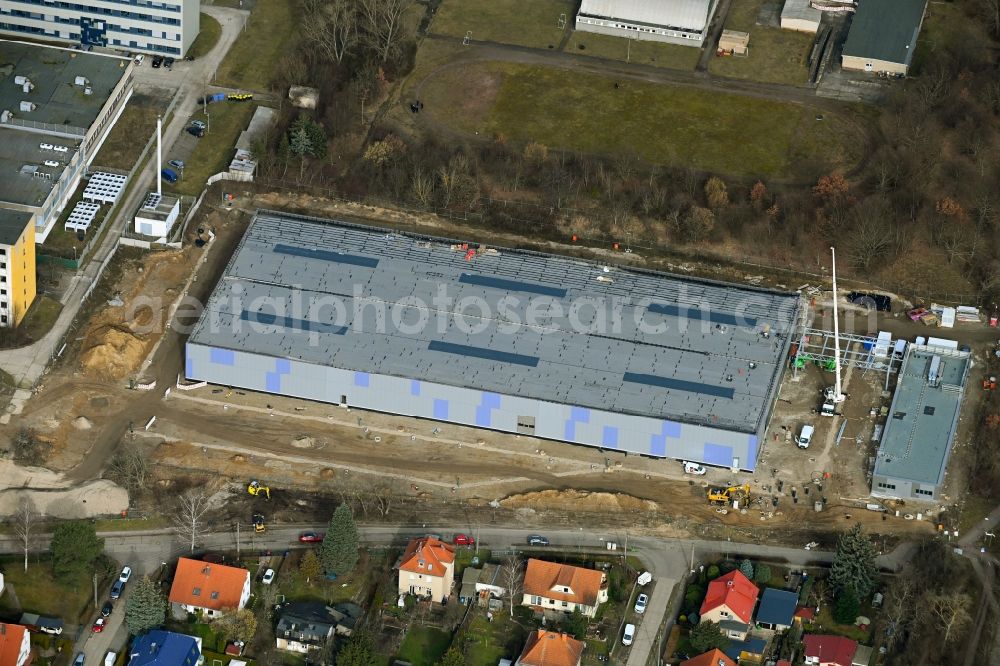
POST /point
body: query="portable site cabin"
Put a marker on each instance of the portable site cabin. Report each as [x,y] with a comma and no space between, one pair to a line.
[734,42]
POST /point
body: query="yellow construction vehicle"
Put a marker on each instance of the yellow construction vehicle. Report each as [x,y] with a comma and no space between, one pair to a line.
[258,523]
[730,495]
[255,489]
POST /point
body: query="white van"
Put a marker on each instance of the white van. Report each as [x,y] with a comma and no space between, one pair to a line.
[899,350]
[805,436]
[628,635]
[109,658]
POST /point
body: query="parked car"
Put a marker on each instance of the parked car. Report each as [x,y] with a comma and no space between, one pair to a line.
[109,658]
[640,604]
[196,131]
[138,59]
[694,468]
[168,62]
[169,175]
[177,164]
[268,577]
[311,537]
[537,540]
[116,589]
[79,659]
[628,635]
[189,58]
[198,123]
[107,608]
[463,540]
[805,436]
[157,61]
[125,574]
[99,625]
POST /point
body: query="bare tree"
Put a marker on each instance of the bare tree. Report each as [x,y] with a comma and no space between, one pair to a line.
[513,578]
[189,520]
[129,468]
[899,610]
[383,24]
[331,26]
[24,520]
[382,497]
[422,186]
[949,612]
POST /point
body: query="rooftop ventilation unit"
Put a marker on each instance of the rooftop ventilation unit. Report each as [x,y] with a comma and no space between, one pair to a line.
[88,91]
[51,163]
[6,116]
[81,81]
[27,107]
[60,149]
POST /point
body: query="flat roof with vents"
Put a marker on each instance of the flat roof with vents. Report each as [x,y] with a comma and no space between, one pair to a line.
[415,315]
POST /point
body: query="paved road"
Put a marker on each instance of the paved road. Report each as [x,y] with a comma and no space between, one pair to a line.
[667,559]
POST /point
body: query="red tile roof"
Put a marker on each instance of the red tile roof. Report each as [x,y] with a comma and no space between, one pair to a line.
[830,649]
[551,648]
[541,577]
[807,613]
[205,585]
[715,657]
[11,639]
[735,591]
[428,556]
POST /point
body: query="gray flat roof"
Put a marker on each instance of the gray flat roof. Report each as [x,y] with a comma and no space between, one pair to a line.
[20,149]
[687,14]
[53,70]
[614,338]
[12,224]
[923,417]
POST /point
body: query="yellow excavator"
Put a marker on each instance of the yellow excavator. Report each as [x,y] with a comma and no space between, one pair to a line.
[255,489]
[730,495]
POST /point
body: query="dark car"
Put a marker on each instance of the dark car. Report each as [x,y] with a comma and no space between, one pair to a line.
[116,589]
[168,62]
[537,540]
[196,131]
[189,58]
[157,61]
[79,659]
[311,537]
[107,608]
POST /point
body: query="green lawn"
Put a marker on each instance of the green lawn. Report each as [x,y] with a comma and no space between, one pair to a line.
[295,588]
[129,135]
[776,55]
[41,317]
[39,592]
[131,524]
[423,646]
[208,37]
[485,643]
[534,23]
[671,56]
[830,626]
[215,150]
[254,57]
[570,110]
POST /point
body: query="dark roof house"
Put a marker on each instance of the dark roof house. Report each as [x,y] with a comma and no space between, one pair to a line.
[883,35]
[165,648]
[776,609]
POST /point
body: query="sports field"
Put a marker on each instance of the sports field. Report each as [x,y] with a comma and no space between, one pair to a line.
[534,23]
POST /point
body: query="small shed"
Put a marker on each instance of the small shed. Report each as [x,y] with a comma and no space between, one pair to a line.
[467,593]
[734,42]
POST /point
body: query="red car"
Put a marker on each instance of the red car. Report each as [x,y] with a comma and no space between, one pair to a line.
[463,540]
[310,537]
[99,625]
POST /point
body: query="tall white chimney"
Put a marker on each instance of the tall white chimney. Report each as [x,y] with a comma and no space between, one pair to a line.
[159,157]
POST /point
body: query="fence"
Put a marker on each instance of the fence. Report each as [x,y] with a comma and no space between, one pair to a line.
[67,131]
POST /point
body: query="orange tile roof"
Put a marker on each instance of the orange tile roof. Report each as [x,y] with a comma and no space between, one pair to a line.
[11,639]
[715,657]
[540,577]
[427,555]
[205,585]
[551,648]
[735,591]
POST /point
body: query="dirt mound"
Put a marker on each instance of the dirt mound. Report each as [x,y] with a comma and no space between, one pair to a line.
[577,500]
[112,353]
[82,423]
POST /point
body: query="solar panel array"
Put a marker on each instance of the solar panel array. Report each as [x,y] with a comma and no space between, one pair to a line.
[104,187]
[82,216]
[631,341]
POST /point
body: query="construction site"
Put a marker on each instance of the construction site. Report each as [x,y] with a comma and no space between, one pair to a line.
[123,384]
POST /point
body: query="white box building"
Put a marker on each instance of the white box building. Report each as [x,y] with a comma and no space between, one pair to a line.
[674,21]
[157,215]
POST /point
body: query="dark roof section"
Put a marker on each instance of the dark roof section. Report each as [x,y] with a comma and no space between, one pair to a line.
[885,30]
[777,606]
[12,225]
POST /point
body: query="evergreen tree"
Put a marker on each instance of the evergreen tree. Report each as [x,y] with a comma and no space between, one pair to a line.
[146,607]
[854,565]
[762,574]
[75,546]
[359,650]
[339,553]
[310,567]
[299,138]
[846,608]
[453,657]
[746,568]
[575,624]
[707,635]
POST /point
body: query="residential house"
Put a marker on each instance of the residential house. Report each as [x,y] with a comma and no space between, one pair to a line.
[730,601]
[777,609]
[165,648]
[714,657]
[750,649]
[805,615]
[303,627]
[491,582]
[15,645]
[481,584]
[550,648]
[427,569]
[828,650]
[212,589]
[563,587]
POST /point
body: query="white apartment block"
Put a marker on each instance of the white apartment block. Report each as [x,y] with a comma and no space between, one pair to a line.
[164,27]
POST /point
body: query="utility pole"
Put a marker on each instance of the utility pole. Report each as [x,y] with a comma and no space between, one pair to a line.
[95,590]
[237,540]
[625,552]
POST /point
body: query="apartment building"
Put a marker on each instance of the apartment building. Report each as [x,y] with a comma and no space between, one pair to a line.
[17,266]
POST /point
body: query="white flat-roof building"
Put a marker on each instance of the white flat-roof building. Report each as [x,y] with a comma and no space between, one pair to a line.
[800,15]
[157,215]
[166,27]
[674,21]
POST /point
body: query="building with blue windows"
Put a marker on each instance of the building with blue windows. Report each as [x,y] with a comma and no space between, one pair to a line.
[164,27]
[560,348]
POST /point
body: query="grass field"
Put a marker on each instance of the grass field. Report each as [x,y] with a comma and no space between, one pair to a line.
[41,317]
[39,592]
[671,56]
[214,150]
[125,141]
[663,124]
[776,55]
[208,37]
[423,646]
[254,57]
[532,23]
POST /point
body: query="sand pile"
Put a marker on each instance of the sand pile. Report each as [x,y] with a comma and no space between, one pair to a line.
[97,498]
[82,423]
[303,442]
[577,500]
[112,353]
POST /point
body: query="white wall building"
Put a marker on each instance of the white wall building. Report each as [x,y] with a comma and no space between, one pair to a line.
[675,21]
[157,215]
[166,27]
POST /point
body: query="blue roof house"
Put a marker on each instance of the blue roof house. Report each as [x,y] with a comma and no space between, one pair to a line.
[165,648]
[777,608]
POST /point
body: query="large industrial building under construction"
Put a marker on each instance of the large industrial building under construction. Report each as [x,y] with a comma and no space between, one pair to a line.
[509,340]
